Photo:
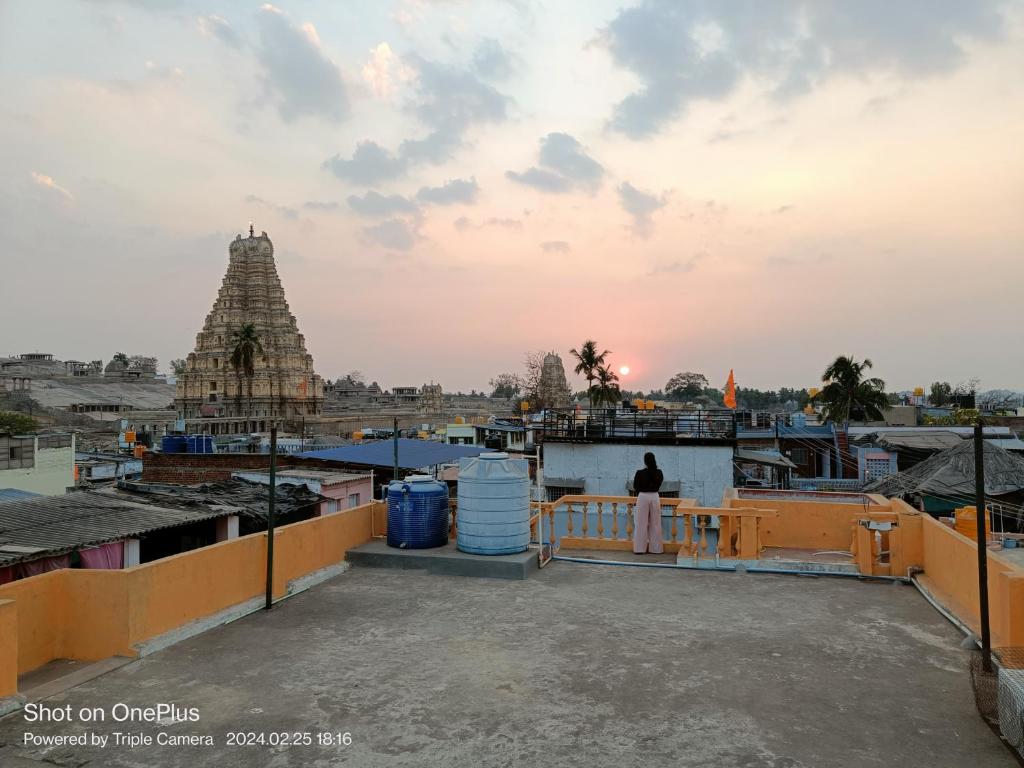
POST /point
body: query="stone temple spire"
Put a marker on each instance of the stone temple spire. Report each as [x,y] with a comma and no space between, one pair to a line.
[284,385]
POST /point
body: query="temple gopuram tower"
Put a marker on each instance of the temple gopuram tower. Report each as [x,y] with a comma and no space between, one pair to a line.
[284,386]
[553,389]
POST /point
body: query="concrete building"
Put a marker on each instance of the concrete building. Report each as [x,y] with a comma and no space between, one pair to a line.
[96,467]
[341,490]
[284,386]
[43,464]
[599,453]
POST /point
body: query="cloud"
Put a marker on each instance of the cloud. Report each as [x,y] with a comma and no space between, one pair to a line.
[684,52]
[566,166]
[384,71]
[463,224]
[545,181]
[394,234]
[375,204]
[369,164]
[677,267]
[316,205]
[282,210]
[218,27]
[493,61]
[297,75]
[451,192]
[449,102]
[555,246]
[640,205]
[783,209]
[47,182]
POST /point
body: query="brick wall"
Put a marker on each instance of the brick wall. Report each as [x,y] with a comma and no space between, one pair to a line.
[192,468]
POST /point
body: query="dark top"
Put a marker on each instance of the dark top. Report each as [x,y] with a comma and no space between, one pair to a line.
[647,480]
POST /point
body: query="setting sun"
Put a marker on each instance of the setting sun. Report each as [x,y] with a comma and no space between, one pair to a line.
[624,370]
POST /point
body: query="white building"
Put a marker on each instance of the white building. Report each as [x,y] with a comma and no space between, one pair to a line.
[43,464]
[599,454]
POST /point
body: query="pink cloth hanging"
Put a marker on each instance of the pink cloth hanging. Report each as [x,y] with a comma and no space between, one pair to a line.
[43,565]
[110,556]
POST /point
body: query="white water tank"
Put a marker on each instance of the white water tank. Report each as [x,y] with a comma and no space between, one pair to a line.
[493,505]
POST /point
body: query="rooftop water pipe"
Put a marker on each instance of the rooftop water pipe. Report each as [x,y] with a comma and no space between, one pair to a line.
[732,569]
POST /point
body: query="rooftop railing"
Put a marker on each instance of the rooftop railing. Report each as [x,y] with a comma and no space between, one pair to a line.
[606,522]
[614,425]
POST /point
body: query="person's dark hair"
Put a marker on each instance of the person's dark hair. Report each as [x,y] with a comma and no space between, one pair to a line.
[649,461]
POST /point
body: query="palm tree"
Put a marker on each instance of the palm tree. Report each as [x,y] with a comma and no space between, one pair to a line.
[847,394]
[607,388]
[245,346]
[588,361]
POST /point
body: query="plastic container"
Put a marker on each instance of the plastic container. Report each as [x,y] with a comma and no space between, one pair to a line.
[174,444]
[494,505]
[418,514]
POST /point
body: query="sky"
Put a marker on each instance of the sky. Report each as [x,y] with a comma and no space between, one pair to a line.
[698,185]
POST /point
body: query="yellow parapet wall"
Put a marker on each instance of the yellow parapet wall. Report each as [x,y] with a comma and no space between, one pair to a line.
[93,614]
[810,521]
[951,577]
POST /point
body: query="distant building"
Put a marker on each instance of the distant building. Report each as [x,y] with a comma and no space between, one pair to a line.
[553,389]
[598,453]
[431,398]
[43,464]
[284,386]
[341,490]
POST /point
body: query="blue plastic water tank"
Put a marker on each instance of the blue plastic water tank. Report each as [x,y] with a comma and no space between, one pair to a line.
[494,505]
[418,513]
[173,444]
[200,443]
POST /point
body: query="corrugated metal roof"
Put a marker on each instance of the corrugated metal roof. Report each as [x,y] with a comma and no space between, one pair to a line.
[772,458]
[11,494]
[412,454]
[53,525]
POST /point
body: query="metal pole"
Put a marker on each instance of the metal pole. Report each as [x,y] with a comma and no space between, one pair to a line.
[394,438]
[270,517]
[979,504]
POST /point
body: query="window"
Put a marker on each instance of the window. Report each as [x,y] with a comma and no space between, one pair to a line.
[213,386]
[798,455]
[216,362]
[555,492]
[353,500]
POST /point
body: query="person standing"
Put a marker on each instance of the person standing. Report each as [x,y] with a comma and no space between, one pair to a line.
[647,512]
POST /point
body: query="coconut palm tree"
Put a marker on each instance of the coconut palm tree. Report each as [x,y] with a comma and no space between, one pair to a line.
[245,346]
[847,394]
[588,361]
[606,390]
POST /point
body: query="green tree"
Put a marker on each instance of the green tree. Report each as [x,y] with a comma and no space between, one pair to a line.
[120,357]
[588,361]
[245,346]
[178,366]
[16,423]
[940,393]
[606,390]
[686,386]
[847,394]
[505,385]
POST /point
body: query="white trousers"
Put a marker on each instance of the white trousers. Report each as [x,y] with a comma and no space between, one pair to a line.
[647,524]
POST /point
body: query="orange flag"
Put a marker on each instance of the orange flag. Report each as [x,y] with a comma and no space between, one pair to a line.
[730,391]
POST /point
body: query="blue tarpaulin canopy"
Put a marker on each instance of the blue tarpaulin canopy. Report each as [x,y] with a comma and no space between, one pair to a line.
[412,454]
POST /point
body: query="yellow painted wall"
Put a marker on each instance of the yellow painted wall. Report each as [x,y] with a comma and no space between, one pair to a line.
[951,576]
[8,648]
[93,614]
[807,524]
[40,602]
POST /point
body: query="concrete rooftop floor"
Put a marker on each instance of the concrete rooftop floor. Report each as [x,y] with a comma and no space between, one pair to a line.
[581,664]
